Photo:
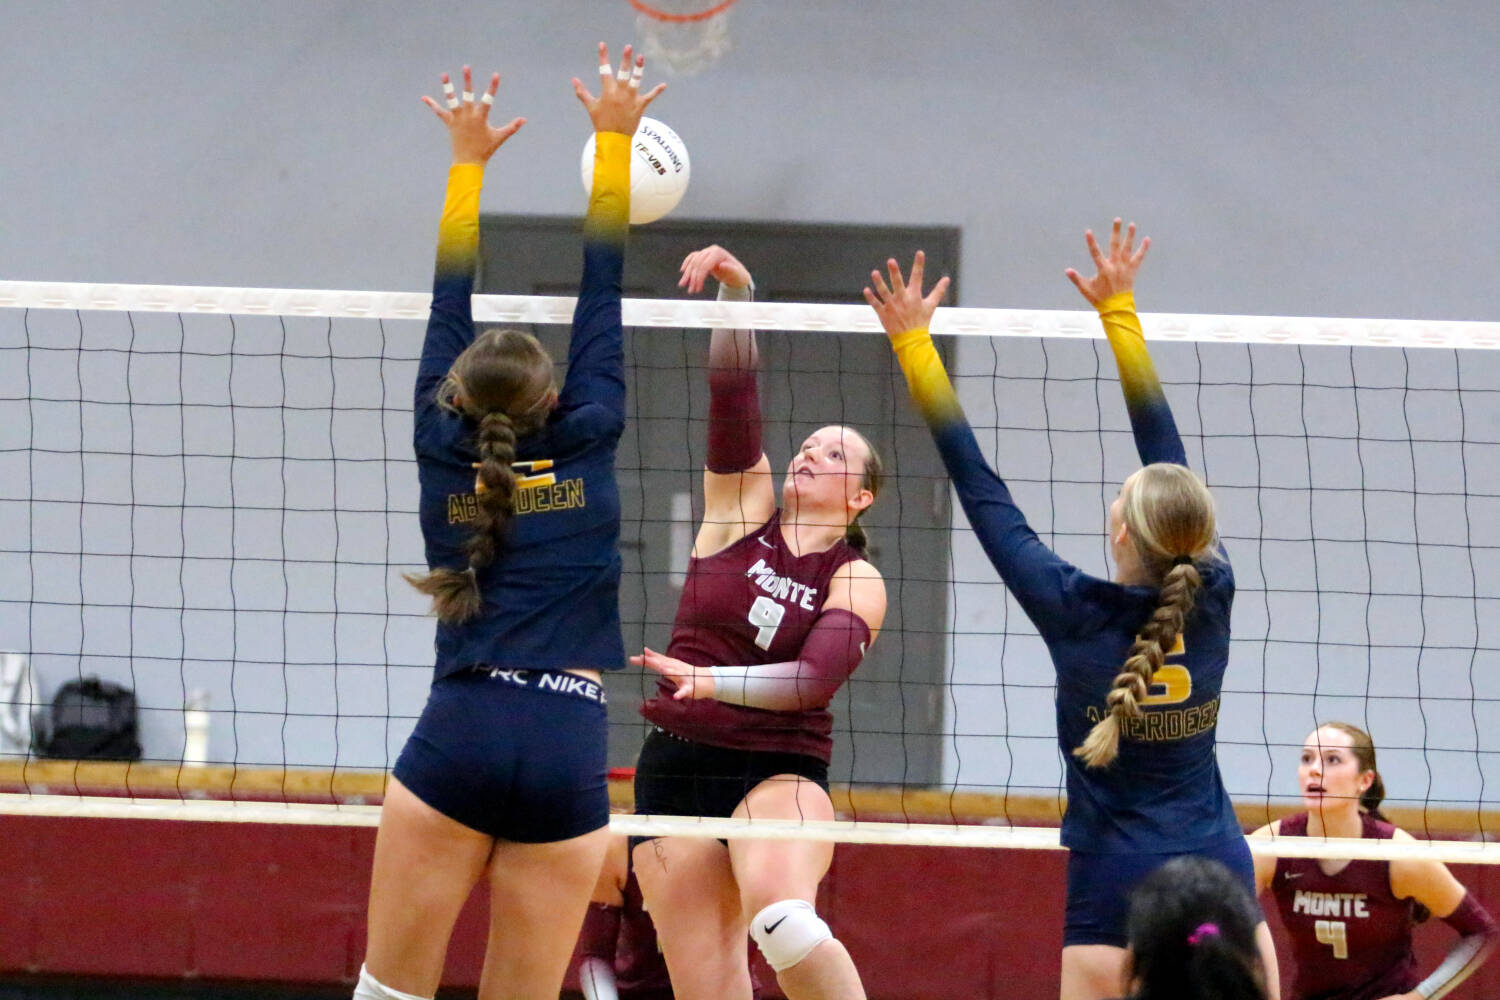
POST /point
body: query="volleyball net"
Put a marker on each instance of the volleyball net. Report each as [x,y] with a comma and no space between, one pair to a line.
[208,495]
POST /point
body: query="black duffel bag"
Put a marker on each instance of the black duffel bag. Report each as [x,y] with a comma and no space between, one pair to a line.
[92,719]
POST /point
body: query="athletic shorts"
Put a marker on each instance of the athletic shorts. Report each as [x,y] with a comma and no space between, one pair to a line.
[1099,887]
[678,777]
[515,754]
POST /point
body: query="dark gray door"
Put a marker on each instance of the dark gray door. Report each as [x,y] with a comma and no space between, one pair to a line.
[889,718]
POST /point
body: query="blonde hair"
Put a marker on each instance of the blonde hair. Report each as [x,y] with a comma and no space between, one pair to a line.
[1169,514]
[502,382]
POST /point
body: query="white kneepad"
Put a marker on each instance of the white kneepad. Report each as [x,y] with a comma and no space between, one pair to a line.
[788,931]
[370,988]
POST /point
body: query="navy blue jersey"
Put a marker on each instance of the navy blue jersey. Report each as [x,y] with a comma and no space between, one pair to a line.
[1164,792]
[551,596]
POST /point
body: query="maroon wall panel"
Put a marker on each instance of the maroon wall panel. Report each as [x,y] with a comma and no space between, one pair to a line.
[251,901]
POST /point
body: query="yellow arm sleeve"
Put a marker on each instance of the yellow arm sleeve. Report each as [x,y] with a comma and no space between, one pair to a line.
[926,377]
[458,229]
[609,204]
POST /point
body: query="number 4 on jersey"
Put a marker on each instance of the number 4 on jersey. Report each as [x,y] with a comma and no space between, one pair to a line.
[1334,934]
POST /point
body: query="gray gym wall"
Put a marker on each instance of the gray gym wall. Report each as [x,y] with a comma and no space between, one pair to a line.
[1287,158]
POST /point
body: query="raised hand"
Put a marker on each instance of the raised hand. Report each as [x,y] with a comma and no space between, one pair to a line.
[474,138]
[902,307]
[692,682]
[714,262]
[1117,271]
[620,104]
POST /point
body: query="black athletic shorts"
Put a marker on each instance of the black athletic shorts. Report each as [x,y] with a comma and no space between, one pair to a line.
[516,754]
[678,777]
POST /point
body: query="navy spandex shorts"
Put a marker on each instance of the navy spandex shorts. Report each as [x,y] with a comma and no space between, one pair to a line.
[519,755]
[1099,887]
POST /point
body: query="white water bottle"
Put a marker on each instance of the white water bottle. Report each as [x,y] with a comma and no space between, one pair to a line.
[195,720]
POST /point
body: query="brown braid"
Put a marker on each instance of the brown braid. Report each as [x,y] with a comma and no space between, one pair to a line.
[502,382]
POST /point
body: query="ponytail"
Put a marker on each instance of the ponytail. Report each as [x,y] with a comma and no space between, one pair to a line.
[871,479]
[856,539]
[1374,795]
[1147,654]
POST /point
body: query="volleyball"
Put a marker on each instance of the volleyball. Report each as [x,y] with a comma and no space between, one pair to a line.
[659,171]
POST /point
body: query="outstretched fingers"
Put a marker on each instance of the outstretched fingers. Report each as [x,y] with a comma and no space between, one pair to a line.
[1093,244]
[898,284]
[1140,254]
[487,99]
[652,94]
[938,293]
[1078,282]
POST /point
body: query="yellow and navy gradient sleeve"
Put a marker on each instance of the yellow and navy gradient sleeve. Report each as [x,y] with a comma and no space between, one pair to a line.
[1033,572]
[450,325]
[1156,436]
[596,353]
[551,596]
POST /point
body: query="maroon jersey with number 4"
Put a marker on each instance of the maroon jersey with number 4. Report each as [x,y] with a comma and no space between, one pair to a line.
[1350,934]
[752,602]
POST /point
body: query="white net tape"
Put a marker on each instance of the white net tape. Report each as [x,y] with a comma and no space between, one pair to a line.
[691,314]
[837,831]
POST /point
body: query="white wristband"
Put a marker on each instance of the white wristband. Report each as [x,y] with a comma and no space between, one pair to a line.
[729,684]
[728,293]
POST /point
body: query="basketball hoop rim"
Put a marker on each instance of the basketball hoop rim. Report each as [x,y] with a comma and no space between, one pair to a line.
[661,15]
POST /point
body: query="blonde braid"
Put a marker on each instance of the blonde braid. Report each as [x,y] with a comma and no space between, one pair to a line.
[1147,654]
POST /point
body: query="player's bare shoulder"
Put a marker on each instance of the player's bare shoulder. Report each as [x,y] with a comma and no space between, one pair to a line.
[857,586]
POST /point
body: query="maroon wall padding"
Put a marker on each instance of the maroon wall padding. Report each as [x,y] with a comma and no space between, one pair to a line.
[252,901]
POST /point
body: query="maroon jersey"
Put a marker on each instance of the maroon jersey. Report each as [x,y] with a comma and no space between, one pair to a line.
[1350,934]
[753,602]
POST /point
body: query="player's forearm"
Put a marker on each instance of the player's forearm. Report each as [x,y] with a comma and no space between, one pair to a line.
[1156,436]
[1467,955]
[734,426]
[926,378]
[596,354]
[458,229]
[832,650]
[1477,942]
[450,325]
[596,979]
[609,200]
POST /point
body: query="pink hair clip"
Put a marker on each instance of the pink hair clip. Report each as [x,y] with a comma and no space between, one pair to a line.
[1203,931]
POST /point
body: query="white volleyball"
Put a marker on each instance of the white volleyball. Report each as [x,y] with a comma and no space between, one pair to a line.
[659,171]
